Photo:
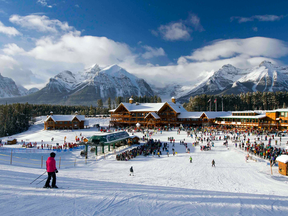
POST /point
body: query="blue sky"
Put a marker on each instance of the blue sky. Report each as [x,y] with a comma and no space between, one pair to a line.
[162,41]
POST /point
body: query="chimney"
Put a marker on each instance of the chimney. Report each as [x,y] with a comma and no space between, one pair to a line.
[173,100]
[76,112]
[131,100]
[51,113]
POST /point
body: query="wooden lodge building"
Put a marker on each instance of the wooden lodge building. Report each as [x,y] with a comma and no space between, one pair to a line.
[159,114]
[272,119]
[173,114]
[65,122]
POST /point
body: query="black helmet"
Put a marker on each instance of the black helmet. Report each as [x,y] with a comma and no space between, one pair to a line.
[52,154]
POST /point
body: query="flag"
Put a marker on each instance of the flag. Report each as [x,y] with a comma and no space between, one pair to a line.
[215,100]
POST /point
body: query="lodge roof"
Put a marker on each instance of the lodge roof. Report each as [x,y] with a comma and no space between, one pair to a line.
[66,117]
[153,114]
[278,110]
[151,107]
[245,117]
[210,115]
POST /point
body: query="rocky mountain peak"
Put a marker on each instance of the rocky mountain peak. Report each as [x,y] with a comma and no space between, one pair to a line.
[265,63]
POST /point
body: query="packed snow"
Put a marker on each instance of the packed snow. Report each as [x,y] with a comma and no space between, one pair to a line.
[161,185]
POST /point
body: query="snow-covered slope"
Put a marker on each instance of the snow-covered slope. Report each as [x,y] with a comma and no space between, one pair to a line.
[165,186]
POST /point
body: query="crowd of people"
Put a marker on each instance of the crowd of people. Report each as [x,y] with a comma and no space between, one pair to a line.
[151,147]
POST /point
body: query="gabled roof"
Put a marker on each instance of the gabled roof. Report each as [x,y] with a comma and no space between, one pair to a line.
[153,114]
[195,115]
[65,117]
[150,107]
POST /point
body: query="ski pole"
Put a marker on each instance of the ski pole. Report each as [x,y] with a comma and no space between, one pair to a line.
[38,177]
[42,180]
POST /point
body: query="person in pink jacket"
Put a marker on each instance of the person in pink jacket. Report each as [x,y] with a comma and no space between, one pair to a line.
[51,170]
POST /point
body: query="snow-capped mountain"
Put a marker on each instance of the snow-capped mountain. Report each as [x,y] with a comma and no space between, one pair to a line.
[266,77]
[8,88]
[171,90]
[23,91]
[86,87]
[218,82]
[229,79]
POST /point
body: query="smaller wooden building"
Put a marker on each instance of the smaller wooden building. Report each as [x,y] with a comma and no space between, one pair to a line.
[283,164]
[65,122]
[11,141]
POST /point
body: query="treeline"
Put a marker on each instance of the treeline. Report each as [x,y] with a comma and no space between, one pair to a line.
[244,101]
[16,118]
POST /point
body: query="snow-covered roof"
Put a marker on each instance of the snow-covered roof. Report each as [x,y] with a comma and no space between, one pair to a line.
[66,117]
[177,107]
[192,115]
[245,117]
[213,115]
[151,107]
[153,114]
[279,110]
[250,111]
[282,158]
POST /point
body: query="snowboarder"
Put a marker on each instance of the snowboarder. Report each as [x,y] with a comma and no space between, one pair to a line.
[131,171]
[51,170]
[190,159]
[213,163]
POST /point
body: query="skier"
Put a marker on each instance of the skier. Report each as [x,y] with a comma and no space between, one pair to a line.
[131,171]
[190,159]
[213,163]
[51,170]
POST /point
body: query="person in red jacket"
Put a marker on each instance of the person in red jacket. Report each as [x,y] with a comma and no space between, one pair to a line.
[51,170]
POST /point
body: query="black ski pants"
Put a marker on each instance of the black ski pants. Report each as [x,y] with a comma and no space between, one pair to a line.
[51,175]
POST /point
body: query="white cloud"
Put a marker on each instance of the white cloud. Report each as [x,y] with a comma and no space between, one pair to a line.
[11,31]
[44,3]
[175,31]
[12,69]
[71,48]
[40,23]
[241,53]
[180,30]
[195,21]
[255,46]
[261,18]
[12,49]
[152,52]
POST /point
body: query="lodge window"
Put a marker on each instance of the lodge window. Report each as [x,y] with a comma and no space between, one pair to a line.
[282,114]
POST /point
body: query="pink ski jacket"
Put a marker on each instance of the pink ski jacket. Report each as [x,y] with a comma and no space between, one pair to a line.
[51,164]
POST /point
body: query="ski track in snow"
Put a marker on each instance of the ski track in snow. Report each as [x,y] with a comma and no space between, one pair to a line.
[161,186]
